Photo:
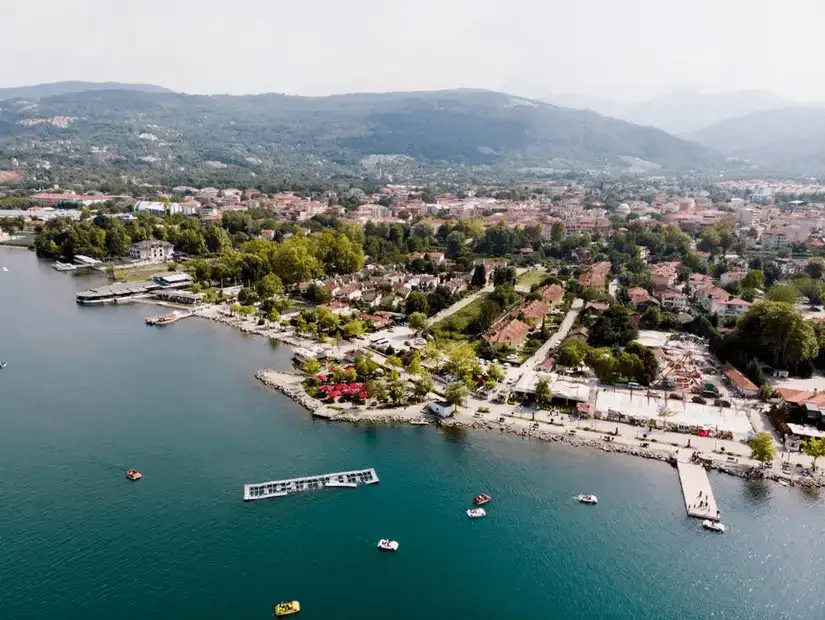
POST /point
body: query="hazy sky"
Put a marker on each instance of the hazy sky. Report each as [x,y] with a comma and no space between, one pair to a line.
[623,49]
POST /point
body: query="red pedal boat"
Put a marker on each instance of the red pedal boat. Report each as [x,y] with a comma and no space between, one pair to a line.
[133,474]
[482,499]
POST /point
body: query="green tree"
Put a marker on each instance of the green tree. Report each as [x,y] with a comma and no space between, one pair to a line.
[815,448]
[311,367]
[557,232]
[495,372]
[815,268]
[762,447]
[416,302]
[414,367]
[753,279]
[269,286]
[366,366]
[543,393]
[377,390]
[613,327]
[338,374]
[504,275]
[573,352]
[423,386]
[353,329]
[394,361]
[456,394]
[785,293]
[418,321]
[479,278]
[463,363]
[777,333]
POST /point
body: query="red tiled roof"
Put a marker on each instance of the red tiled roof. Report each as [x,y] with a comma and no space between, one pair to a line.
[740,380]
[552,293]
[511,332]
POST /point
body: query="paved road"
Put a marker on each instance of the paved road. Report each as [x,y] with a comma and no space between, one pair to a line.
[461,303]
[556,339]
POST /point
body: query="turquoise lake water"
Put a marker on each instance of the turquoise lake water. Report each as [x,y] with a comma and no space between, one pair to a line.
[90,392]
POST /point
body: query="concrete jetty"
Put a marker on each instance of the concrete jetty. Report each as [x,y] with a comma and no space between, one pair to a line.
[699,500]
[282,488]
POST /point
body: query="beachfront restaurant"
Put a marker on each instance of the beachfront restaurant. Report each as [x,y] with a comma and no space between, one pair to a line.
[800,433]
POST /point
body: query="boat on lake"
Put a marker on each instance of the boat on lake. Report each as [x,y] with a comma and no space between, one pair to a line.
[713,526]
[587,498]
[286,608]
[133,474]
[476,513]
[164,319]
[482,499]
[386,544]
[3,365]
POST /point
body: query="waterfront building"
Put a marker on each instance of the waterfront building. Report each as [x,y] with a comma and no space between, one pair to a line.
[157,251]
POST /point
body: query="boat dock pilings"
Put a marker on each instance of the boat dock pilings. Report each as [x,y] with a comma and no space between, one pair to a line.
[282,488]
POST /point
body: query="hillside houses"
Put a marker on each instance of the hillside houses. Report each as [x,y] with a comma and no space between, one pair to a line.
[595,275]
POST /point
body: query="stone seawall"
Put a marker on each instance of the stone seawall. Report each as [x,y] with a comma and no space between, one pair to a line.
[278,380]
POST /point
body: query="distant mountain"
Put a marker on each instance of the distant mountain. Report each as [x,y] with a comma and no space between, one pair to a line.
[680,112]
[788,139]
[39,91]
[145,131]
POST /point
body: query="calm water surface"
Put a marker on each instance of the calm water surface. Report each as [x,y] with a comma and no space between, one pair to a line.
[90,392]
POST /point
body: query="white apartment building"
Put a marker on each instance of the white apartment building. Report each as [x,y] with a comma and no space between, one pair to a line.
[155,251]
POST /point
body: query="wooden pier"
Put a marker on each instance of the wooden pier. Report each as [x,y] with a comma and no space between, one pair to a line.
[282,488]
[699,500]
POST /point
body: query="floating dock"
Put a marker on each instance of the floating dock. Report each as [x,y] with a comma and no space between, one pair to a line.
[699,500]
[282,488]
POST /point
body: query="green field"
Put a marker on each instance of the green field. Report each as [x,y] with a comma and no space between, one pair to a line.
[455,325]
[529,278]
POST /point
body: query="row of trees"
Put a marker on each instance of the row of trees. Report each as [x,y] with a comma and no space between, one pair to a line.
[633,363]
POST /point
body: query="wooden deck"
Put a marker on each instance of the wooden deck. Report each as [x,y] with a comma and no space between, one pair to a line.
[699,500]
[282,488]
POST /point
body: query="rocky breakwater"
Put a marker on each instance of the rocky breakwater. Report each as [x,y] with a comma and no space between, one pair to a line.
[286,384]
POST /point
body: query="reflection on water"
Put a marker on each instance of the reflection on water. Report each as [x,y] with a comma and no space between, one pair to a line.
[454,433]
[812,493]
[756,492]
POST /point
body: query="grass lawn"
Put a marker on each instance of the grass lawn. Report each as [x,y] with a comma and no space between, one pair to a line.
[139,274]
[455,325]
[529,278]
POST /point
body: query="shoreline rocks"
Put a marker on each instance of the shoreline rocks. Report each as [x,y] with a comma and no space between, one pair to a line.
[318,409]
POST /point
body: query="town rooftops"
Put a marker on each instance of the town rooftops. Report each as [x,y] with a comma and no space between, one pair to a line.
[511,332]
[740,381]
[552,293]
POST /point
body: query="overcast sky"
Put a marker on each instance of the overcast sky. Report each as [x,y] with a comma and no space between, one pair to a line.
[622,49]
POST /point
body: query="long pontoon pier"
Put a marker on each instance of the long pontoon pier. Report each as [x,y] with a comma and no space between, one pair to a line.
[699,500]
[282,488]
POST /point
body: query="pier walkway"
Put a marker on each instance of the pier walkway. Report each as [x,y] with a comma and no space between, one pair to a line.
[282,488]
[696,489]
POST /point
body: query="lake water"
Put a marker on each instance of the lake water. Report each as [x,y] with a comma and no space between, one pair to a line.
[90,392]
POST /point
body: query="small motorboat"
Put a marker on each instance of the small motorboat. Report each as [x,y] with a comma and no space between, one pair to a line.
[476,513]
[482,499]
[133,474]
[286,608]
[587,498]
[5,269]
[386,544]
[713,526]
[3,364]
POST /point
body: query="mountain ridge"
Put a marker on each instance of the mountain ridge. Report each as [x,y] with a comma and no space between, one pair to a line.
[140,131]
[50,89]
[681,112]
